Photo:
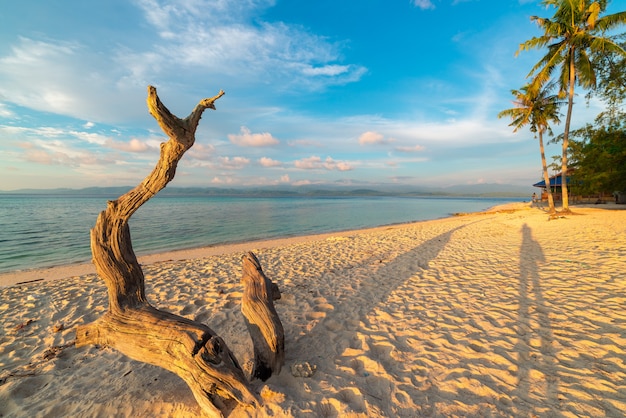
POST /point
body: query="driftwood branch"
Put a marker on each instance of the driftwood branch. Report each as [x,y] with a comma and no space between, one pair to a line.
[134,327]
[264,326]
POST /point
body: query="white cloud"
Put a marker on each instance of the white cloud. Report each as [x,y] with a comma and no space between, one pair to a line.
[268,162]
[56,154]
[340,165]
[446,133]
[234,163]
[316,163]
[308,163]
[217,40]
[370,137]
[66,78]
[51,136]
[5,112]
[328,70]
[219,37]
[39,155]
[222,180]
[248,139]
[90,137]
[200,152]
[134,145]
[45,132]
[424,4]
[35,77]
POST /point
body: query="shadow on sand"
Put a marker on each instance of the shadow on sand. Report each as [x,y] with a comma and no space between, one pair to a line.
[534,323]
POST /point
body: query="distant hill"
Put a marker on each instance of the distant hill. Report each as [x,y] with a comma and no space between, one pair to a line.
[477,190]
[490,190]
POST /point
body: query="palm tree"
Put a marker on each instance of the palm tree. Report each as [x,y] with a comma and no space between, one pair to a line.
[572,36]
[536,108]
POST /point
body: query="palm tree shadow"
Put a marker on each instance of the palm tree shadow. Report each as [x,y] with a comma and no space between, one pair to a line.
[534,321]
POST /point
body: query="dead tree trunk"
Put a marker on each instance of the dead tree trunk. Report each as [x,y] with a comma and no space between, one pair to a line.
[264,326]
[134,327]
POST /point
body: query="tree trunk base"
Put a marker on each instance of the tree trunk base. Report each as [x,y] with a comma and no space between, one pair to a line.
[186,348]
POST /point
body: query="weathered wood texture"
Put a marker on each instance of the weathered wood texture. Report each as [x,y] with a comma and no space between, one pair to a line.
[264,326]
[131,325]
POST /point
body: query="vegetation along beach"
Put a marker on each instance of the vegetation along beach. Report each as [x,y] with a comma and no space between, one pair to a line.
[365,226]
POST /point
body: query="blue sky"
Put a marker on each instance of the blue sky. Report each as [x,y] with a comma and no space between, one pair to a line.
[359,93]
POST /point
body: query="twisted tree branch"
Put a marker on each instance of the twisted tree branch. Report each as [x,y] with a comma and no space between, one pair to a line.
[133,326]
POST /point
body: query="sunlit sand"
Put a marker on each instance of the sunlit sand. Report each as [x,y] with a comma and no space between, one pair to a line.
[497,314]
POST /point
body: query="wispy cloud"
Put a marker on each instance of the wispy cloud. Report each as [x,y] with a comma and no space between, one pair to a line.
[414,148]
[5,112]
[220,37]
[424,4]
[65,78]
[220,40]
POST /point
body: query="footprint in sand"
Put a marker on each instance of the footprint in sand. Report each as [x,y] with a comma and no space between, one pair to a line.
[314,315]
[320,309]
[353,397]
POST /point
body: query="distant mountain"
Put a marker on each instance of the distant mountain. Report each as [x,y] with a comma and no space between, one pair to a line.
[490,190]
[111,192]
[476,190]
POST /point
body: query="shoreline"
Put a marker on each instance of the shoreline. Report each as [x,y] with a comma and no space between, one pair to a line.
[64,271]
[44,274]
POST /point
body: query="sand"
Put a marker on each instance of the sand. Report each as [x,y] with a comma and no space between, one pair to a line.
[496,314]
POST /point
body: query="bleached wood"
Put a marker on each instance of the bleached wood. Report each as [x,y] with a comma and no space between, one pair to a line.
[134,327]
[264,326]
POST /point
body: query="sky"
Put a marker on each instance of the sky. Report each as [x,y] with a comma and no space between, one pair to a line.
[368,93]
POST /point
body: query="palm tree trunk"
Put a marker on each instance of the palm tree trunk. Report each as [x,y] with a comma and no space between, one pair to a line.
[568,119]
[546,177]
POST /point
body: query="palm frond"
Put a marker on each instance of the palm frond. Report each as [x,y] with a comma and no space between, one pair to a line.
[584,70]
[534,43]
[563,80]
[534,107]
[608,22]
[593,13]
[602,45]
[542,71]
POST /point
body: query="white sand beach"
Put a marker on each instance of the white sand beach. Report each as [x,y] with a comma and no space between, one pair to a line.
[503,313]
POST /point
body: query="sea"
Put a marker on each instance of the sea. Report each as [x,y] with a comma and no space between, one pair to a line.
[40,231]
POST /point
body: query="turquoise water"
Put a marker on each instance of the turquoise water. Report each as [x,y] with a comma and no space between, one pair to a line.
[43,231]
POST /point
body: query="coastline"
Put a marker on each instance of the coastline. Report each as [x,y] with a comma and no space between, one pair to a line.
[38,275]
[496,313]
